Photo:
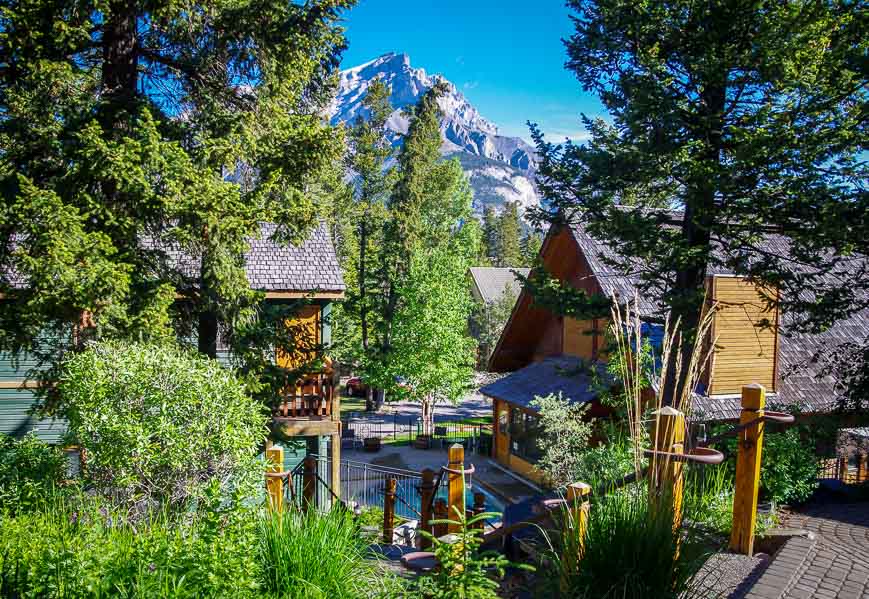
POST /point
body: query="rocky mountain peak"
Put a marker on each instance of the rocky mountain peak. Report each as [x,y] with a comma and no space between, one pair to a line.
[501,168]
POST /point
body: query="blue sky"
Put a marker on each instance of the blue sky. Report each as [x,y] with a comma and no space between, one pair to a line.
[505,55]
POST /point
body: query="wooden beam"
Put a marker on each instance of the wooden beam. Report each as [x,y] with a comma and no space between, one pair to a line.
[307,428]
[304,294]
[20,384]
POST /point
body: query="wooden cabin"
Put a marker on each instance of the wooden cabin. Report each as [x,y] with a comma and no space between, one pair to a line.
[535,340]
[308,411]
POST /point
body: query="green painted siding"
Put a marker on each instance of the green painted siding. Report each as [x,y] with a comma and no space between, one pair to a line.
[16,418]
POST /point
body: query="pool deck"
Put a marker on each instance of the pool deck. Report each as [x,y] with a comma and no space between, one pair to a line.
[487,474]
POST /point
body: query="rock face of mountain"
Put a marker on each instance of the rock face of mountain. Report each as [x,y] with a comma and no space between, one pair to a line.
[501,168]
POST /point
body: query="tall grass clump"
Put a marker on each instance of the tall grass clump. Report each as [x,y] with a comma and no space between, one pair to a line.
[312,555]
[634,544]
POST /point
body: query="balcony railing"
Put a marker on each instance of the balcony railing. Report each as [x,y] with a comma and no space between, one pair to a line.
[312,396]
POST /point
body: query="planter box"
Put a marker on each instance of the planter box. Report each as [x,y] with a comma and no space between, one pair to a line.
[422,442]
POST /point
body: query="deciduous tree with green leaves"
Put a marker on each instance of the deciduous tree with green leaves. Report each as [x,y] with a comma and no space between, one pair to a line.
[750,120]
[131,129]
[421,348]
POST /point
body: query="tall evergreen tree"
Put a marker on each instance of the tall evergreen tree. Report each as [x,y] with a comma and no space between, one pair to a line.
[491,243]
[531,244]
[749,118]
[368,152]
[130,128]
[509,236]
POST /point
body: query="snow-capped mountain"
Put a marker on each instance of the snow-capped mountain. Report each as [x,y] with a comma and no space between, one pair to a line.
[501,168]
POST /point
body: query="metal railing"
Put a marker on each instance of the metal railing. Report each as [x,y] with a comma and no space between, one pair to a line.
[364,485]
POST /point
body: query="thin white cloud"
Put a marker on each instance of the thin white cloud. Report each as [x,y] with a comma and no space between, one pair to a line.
[471,84]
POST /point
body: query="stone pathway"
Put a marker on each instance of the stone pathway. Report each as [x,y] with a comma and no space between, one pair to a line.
[833,563]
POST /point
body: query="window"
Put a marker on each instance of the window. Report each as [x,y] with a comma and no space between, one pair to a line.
[524,433]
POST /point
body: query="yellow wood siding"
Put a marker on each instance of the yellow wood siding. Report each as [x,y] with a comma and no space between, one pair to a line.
[744,353]
[578,338]
[307,332]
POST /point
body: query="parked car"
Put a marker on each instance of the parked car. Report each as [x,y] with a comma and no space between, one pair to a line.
[355,387]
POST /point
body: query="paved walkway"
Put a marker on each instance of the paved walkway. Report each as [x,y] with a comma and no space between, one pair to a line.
[832,563]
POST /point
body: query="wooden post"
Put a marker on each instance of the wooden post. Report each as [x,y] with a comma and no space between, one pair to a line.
[842,468]
[479,508]
[335,474]
[426,493]
[575,525]
[389,510]
[274,485]
[309,481]
[667,483]
[749,449]
[441,511]
[456,485]
[862,467]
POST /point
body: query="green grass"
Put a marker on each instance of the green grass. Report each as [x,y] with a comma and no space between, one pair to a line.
[351,404]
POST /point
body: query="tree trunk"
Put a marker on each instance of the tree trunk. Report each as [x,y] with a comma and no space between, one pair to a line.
[363,308]
[427,413]
[120,55]
[687,297]
[207,331]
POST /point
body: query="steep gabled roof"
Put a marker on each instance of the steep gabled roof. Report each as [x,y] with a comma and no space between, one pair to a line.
[492,282]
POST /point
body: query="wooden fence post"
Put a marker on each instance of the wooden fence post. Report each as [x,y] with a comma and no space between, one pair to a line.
[441,511]
[575,524]
[389,510]
[666,472]
[456,485]
[309,481]
[479,508]
[749,449]
[862,467]
[274,485]
[426,493]
[842,467]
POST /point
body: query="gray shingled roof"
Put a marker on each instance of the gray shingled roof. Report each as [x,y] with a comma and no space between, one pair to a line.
[274,266]
[802,381]
[560,374]
[269,265]
[492,282]
[311,266]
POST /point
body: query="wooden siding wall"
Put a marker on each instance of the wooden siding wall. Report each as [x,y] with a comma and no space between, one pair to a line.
[533,333]
[310,322]
[583,338]
[744,353]
[17,403]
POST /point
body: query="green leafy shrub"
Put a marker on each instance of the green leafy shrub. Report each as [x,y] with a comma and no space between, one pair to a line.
[789,465]
[161,424]
[312,555]
[29,470]
[464,571]
[84,549]
[789,468]
[564,437]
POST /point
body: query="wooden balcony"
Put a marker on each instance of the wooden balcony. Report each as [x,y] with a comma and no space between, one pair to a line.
[310,407]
